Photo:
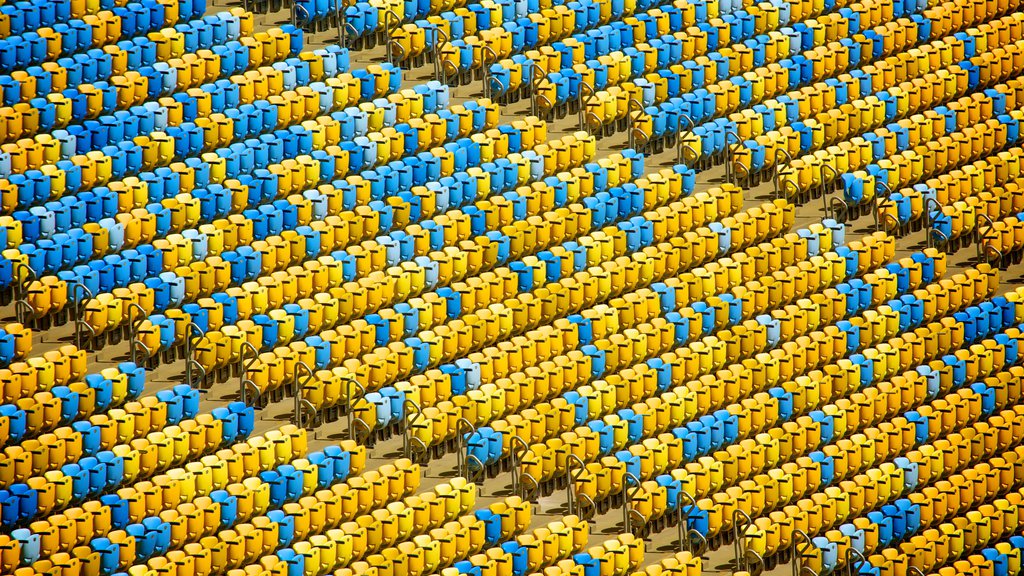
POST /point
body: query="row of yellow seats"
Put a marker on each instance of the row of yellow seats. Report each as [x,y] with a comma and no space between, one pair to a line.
[874,447]
[294,176]
[635,386]
[987,186]
[987,524]
[543,547]
[228,467]
[43,411]
[760,491]
[441,547]
[118,426]
[766,81]
[451,256]
[40,373]
[683,563]
[619,556]
[199,518]
[833,127]
[142,458]
[152,448]
[359,509]
[286,286]
[922,161]
[707,394]
[624,327]
[938,156]
[111,310]
[967,498]
[701,395]
[794,438]
[317,285]
[501,367]
[901,68]
[337,547]
[695,47]
[545,342]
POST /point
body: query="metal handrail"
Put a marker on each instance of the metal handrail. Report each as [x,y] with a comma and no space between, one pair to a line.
[21,290]
[930,220]
[887,218]
[485,69]
[438,45]
[517,462]
[190,348]
[879,198]
[134,344]
[295,19]
[981,234]
[390,30]
[366,427]
[583,103]
[689,126]
[633,105]
[799,551]
[244,383]
[406,423]
[786,185]
[349,383]
[730,153]
[445,64]
[824,187]
[680,154]
[133,325]
[739,545]
[834,205]
[850,553]
[393,46]
[341,21]
[297,387]
[460,441]
[78,305]
[570,488]
[627,499]
[746,172]
[683,522]
[914,570]
[778,165]
[495,80]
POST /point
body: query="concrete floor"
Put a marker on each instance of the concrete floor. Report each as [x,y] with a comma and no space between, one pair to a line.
[659,545]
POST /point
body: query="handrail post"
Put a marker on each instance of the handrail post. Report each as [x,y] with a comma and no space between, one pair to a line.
[133,326]
[517,461]
[786,184]
[739,541]
[798,551]
[981,234]
[244,383]
[633,105]
[683,521]
[389,31]
[627,499]
[570,488]
[461,446]
[300,402]
[583,103]
[730,153]
[439,72]
[21,291]
[778,167]
[485,68]
[884,194]
[407,422]
[860,560]
[350,383]
[190,349]
[824,188]
[77,305]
